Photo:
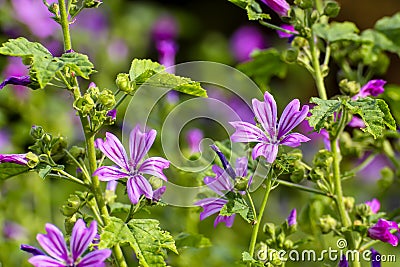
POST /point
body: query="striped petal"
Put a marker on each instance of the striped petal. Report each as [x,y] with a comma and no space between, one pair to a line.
[155,166]
[291,117]
[45,261]
[82,237]
[269,151]
[228,220]
[140,143]
[110,173]
[266,113]
[114,150]
[53,243]
[95,258]
[241,167]
[294,140]
[210,206]
[247,132]
[137,186]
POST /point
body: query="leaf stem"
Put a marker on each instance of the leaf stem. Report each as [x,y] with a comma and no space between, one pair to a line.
[302,187]
[274,27]
[317,73]
[65,25]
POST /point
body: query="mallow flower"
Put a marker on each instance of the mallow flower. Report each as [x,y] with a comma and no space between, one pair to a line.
[221,184]
[58,254]
[374,204]
[16,80]
[382,231]
[133,167]
[343,262]
[20,159]
[375,258]
[245,40]
[274,133]
[292,218]
[281,7]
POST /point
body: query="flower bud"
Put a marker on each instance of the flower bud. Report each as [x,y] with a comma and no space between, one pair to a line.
[290,55]
[72,206]
[350,88]
[241,183]
[69,223]
[84,104]
[274,258]
[107,99]
[280,240]
[36,132]
[77,152]
[363,210]
[304,4]
[288,244]
[33,160]
[269,230]
[349,203]
[327,223]
[123,83]
[331,9]
[155,182]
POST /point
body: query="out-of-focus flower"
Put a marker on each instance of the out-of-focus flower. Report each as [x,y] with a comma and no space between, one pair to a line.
[343,262]
[382,231]
[16,80]
[375,258]
[275,133]
[194,137]
[133,167]
[93,21]
[14,231]
[117,50]
[374,204]
[54,244]
[282,34]
[14,158]
[292,218]
[372,88]
[281,7]
[165,28]
[36,16]
[112,185]
[245,40]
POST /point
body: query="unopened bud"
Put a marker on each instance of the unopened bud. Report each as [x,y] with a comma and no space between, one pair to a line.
[331,9]
[107,99]
[36,132]
[327,223]
[124,83]
[350,88]
[241,183]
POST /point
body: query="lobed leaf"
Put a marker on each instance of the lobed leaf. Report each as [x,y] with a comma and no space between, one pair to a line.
[390,27]
[237,205]
[21,47]
[321,113]
[142,69]
[192,240]
[79,63]
[337,31]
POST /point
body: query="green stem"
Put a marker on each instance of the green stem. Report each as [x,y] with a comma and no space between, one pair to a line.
[70,177]
[251,203]
[319,79]
[274,27]
[364,164]
[256,228]
[65,25]
[302,187]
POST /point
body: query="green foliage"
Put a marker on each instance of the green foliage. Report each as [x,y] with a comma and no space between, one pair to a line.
[254,11]
[247,258]
[23,48]
[322,112]
[380,41]
[375,113]
[390,27]
[8,170]
[337,31]
[78,63]
[262,73]
[237,204]
[191,240]
[144,236]
[153,74]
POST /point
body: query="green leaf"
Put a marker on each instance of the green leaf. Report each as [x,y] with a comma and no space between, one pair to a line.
[44,171]
[192,240]
[8,170]
[79,63]
[322,112]
[374,112]
[177,83]
[118,207]
[262,73]
[247,258]
[43,70]
[142,69]
[237,205]
[337,31]
[380,41]
[254,11]
[390,27]
[21,47]
[144,236]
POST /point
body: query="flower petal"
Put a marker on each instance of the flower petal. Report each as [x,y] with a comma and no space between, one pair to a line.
[228,220]
[158,193]
[266,113]
[53,243]
[110,173]
[14,158]
[294,140]
[210,206]
[44,261]
[95,258]
[16,80]
[241,167]
[247,132]
[269,151]
[82,237]
[140,143]
[137,186]
[114,150]
[154,166]
[291,117]
[219,184]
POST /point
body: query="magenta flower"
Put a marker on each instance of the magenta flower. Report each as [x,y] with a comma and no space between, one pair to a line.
[245,40]
[375,258]
[194,137]
[282,34]
[281,7]
[372,88]
[54,244]
[275,133]
[112,114]
[381,231]
[133,167]
[16,80]
[343,262]
[14,158]
[292,218]
[221,184]
[14,231]
[374,204]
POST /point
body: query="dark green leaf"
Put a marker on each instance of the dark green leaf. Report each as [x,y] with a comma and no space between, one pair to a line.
[44,69]
[192,240]
[237,205]
[144,236]
[390,27]
[8,170]
[321,113]
[21,47]
[79,63]
[44,171]
[337,31]
[380,41]
[388,118]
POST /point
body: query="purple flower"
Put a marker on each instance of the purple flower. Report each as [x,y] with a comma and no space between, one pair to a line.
[282,34]
[356,122]
[374,204]
[165,28]
[343,262]
[194,137]
[54,244]
[117,50]
[292,218]
[275,134]
[281,7]
[16,80]
[381,231]
[245,40]
[372,88]
[111,185]
[14,158]
[133,167]
[112,114]
[14,231]
[375,258]
[158,193]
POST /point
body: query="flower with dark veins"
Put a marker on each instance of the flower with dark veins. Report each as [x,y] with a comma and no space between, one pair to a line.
[382,231]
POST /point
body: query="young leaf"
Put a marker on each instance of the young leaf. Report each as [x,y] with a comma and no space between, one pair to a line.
[337,31]
[21,47]
[388,118]
[237,204]
[390,27]
[79,63]
[380,41]
[43,70]
[254,11]
[8,170]
[144,236]
[321,113]
[191,240]
[142,69]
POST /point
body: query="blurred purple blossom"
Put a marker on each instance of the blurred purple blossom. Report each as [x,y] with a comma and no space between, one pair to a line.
[274,133]
[372,171]
[112,185]
[194,137]
[343,262]
[14,231]
[382,231]
[282,34]
[117,50]
[374,204]
[281,7]
[245,40]
[14,158]
[165,28]
[292,218]
[93,21]
[4,140]
[36,16]
[375,258]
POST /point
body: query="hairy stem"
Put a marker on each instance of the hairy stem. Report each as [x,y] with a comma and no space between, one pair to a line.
[65,25]
[317,73]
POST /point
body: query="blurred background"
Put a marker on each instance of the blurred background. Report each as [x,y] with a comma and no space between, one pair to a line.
[171,32]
